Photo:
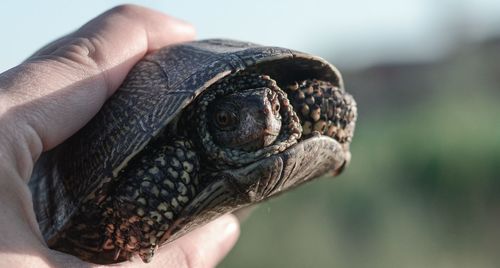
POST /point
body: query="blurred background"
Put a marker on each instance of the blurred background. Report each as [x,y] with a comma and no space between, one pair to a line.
[423,189]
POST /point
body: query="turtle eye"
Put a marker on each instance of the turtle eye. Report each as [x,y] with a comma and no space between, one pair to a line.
[225,119]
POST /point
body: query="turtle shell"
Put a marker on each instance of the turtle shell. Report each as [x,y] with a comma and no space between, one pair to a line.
[156,90]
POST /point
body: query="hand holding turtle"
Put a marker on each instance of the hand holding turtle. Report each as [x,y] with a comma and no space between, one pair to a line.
[55,92]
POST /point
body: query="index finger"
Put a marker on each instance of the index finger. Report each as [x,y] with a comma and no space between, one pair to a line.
[124,32]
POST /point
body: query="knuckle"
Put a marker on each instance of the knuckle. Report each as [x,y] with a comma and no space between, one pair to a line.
[126,10]
[83,51]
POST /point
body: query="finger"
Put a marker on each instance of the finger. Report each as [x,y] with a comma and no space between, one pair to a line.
[123,32]
[203,247]
[56,91]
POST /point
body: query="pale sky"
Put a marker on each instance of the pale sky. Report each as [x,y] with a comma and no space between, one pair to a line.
[351,33]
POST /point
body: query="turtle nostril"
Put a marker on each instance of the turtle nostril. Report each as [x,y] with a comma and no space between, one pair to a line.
[276,107]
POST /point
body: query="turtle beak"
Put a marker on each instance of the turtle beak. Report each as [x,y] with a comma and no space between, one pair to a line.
[273,124]
[269,136]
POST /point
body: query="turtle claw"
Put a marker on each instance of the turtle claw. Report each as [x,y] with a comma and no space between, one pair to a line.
[147,254]
[117,253]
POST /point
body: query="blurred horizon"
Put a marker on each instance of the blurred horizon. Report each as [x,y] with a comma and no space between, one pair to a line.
[355,34]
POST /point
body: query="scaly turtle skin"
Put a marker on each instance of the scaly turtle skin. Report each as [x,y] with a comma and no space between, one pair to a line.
[197,130]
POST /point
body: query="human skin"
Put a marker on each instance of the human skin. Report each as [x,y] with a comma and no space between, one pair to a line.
[51,95]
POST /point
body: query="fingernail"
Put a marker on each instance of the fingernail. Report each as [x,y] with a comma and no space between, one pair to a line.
[185,28]
[232,225]
[228,226]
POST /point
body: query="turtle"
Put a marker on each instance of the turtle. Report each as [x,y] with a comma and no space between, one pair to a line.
[196,130]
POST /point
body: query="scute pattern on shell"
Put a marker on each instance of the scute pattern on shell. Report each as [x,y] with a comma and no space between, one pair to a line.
[157,88]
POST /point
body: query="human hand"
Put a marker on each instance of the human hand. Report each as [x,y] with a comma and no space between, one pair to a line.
[55,92]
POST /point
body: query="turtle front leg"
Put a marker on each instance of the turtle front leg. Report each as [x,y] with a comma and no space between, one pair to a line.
[323,108]
[152,191]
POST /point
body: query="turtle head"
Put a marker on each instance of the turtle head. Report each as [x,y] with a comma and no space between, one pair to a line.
[241,119]
[245,120]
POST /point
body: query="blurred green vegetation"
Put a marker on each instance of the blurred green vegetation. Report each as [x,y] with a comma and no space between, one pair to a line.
[423,187]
